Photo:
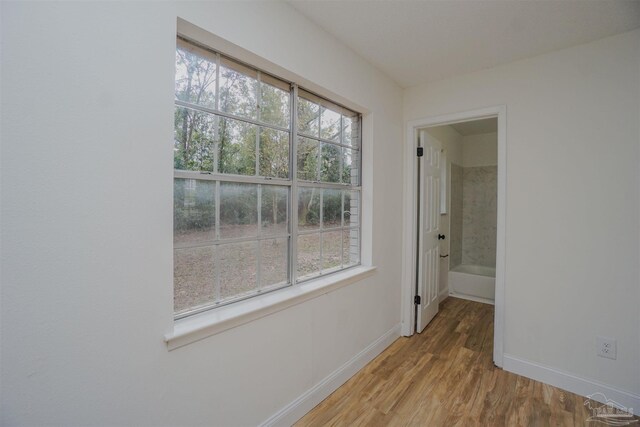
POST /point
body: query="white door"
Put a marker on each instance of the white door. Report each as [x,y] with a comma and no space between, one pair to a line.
[429,231]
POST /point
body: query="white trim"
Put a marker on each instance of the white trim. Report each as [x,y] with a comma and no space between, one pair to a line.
[501,239]
[308,400]
[200,326]
[570,382]
[408,248]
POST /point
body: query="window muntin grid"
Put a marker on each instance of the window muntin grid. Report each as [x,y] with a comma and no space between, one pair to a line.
[237,181]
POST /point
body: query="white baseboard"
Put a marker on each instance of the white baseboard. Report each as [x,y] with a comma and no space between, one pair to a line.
[444,294]
[570,382]
[316,394]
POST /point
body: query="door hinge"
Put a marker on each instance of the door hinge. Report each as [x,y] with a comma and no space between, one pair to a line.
[417,300]
[420,151]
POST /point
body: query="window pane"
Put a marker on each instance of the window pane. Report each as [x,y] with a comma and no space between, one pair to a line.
[237,141]
[274,106]
[331,208]
[193,145]
[351,131]
[308,208]
[274,262]
[275,202]
[308,255]
[308,115]
[308,159]
[238,93]
[330,163]
[252,213]
[351,247]
[238,210]
[332,250]
[350,167]
[330,125]
[351,211]
[238,267]
[193,278]
[195,78]
[274,153]
[194,211]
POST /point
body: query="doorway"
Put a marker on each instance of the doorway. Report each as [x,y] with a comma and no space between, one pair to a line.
[425,180]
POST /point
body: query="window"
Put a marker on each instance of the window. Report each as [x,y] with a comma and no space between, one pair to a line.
[266,183]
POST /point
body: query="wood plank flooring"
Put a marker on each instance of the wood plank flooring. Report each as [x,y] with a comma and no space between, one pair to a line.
[445,377]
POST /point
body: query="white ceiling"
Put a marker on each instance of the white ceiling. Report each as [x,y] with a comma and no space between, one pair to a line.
[476,127]
[421,41]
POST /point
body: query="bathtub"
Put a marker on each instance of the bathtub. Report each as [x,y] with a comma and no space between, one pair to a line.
[474,282]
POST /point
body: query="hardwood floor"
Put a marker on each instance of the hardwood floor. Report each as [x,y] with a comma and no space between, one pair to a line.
[445,377]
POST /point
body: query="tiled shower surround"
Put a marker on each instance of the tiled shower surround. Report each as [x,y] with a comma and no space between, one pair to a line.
[474,195]
[455,249]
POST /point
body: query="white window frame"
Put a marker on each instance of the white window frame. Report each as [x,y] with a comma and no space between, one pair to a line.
[293,184]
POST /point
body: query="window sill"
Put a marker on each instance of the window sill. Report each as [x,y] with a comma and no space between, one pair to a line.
[203,325]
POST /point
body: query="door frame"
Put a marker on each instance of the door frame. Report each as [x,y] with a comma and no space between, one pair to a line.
[409,251]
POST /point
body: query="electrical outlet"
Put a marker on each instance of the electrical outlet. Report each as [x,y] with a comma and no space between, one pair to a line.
[606,347]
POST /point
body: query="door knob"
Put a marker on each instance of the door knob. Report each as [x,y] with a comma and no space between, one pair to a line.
[440,236]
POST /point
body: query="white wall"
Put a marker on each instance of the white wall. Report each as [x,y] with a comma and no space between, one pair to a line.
[87,110]
[480,150]
[572,236]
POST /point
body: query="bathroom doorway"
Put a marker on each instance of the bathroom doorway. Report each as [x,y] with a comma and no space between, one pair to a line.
[470,205]
[469,218]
